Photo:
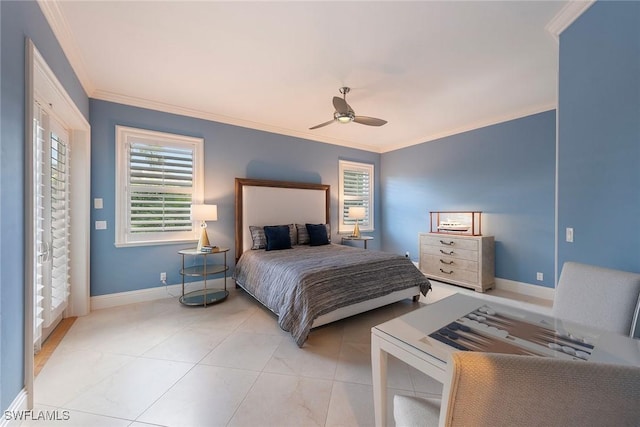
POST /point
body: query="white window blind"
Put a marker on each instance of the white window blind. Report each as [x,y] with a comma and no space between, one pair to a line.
[161,183]
[159,176]
[356,189]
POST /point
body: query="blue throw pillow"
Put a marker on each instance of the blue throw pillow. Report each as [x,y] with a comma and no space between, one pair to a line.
[317,234]
[277,237]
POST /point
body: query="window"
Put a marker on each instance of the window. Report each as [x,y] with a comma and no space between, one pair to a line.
[356,189]
[158,176]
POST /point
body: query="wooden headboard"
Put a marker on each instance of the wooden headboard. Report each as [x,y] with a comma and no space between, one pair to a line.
[265,202]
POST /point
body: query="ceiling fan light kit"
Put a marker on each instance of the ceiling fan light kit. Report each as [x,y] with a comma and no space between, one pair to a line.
[345,114]
[343,118]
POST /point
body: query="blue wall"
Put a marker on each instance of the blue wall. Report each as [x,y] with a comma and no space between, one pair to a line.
[505,170]
[599,137]
[20,19]
[230,152]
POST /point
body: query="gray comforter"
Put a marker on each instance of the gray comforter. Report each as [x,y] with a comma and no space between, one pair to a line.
[303,283]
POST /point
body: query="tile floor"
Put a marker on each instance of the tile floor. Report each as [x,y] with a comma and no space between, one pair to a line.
[159,363]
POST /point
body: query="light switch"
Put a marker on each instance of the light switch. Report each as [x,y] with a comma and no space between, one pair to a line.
[97,203]
[569,236]
[101,225]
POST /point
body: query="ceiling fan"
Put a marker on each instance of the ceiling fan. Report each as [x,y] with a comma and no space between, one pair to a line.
[345,114]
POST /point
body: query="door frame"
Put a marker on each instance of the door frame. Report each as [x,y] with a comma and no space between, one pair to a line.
[41,83]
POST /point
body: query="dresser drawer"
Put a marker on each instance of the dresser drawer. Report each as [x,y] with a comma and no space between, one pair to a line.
[454,253]
[434,263]
[449,242]
[448,274]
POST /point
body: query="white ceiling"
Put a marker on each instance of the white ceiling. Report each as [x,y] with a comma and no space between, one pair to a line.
[430,68]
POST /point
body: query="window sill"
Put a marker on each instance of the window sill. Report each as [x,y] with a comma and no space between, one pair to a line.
[154,243]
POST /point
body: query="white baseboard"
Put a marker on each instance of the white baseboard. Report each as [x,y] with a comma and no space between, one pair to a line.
[19,404]
[172,291]
[151,294]
[525,289]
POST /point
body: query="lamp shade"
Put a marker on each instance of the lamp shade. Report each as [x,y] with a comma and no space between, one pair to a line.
[204,212]
[357,212]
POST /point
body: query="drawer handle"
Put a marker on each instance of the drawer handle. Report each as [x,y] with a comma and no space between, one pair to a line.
[451,243]
[446,272]
[446,253]
[445,262]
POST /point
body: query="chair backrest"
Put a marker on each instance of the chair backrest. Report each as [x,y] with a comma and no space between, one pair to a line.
[599,297]
[487,389]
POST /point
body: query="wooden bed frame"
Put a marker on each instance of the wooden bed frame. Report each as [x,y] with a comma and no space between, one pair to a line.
[267,202]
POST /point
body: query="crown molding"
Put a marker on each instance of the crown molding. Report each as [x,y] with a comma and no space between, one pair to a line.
[182,111]
[62,32]
[567,15]
[474,126]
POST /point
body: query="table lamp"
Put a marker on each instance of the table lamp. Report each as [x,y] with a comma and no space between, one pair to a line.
[204,213]
[356,212]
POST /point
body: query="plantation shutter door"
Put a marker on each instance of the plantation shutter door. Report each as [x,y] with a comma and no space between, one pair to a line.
[57,294]
[160,188]
[40,244]
[52,223]
[356,192]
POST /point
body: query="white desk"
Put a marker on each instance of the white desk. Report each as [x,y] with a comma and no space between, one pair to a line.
[407,338]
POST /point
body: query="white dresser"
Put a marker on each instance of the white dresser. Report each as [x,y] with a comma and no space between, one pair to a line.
[462,260]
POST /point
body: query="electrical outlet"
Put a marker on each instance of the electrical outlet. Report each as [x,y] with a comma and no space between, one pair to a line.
[163,276]
[539,276]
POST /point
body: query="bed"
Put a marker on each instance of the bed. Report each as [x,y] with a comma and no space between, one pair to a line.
[308,286]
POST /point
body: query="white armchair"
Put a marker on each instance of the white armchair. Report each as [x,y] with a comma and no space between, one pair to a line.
[599,297]
[494,390]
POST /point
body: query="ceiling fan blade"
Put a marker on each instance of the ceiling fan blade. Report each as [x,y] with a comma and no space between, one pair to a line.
[369,121]
[341,105]
[322,124]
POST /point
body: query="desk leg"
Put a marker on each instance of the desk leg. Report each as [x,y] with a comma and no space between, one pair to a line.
[379,373]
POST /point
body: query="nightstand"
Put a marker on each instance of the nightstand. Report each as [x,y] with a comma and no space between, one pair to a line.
[364,239]
[204,296]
